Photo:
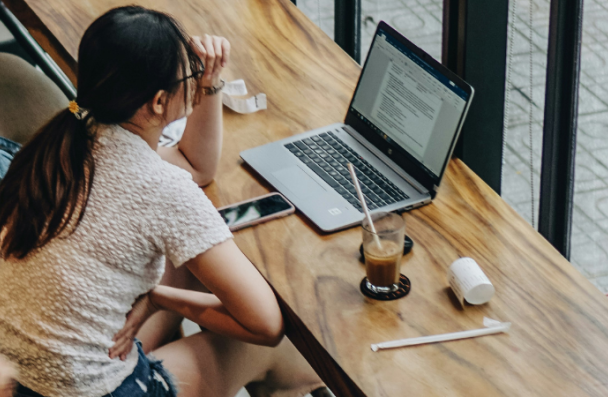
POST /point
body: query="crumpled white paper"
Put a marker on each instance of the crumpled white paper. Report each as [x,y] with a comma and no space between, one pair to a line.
[240,105]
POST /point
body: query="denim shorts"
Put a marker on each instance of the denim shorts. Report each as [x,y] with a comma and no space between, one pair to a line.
[8,149]
[149,379]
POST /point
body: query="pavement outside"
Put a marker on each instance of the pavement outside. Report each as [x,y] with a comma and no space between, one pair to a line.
[421,22]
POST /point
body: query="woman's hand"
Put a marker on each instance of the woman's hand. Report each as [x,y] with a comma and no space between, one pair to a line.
[214,51]
[142,309]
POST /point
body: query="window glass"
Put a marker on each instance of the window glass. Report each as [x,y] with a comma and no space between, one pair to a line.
[589,252]
[527,47]
[418,20]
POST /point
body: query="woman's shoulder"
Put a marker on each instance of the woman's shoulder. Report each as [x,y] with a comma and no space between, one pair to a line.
[125,157]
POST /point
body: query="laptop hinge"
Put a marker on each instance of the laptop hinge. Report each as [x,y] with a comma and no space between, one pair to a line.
[390,163]
[434,191]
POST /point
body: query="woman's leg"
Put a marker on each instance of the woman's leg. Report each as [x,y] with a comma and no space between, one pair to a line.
[207,364]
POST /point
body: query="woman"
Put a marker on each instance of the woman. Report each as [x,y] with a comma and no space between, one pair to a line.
[90,210]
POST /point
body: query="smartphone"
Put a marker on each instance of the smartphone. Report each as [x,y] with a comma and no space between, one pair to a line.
[257,210]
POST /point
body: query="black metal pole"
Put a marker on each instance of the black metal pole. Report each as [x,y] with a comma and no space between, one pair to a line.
[453,38]
[475,47]
[561,114]
[347,28]
[27,42]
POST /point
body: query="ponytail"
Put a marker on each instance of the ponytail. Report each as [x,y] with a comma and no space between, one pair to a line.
[47,186]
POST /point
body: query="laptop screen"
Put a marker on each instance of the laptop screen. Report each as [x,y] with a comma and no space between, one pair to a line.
[408,102]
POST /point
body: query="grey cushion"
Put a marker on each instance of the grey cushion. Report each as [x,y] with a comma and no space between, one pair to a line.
[28,98]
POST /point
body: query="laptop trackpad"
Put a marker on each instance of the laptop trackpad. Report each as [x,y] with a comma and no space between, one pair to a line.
[299,182]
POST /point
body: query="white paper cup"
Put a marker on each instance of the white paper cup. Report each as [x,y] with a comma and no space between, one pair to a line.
[469,282]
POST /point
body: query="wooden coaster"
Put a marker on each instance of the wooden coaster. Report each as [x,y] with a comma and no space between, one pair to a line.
[404,289]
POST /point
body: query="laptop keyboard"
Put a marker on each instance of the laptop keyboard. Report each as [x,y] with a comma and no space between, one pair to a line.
[327,156]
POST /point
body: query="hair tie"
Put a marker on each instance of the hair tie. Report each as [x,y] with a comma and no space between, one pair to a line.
[76,110]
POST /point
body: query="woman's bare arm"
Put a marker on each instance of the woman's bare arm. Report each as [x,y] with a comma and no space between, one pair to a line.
[199,150]
[208,311]
[244,293]
[200,147]
[242,304]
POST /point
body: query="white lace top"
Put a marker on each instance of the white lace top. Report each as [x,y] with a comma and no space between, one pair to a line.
[61,305]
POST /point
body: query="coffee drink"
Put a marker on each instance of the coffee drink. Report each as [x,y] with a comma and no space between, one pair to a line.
[382,263]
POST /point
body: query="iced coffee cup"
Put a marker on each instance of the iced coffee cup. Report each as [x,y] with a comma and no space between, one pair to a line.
[383,251]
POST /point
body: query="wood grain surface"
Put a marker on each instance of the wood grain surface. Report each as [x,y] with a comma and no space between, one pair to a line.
[558,344]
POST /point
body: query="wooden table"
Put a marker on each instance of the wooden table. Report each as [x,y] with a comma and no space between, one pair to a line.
[558,345]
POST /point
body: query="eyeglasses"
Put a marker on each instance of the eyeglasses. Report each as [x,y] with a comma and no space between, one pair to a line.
[192,88]
[195,75]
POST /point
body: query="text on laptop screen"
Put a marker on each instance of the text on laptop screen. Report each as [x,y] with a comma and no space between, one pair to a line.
[408,102]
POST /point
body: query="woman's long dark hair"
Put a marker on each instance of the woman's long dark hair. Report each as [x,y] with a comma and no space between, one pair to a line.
[125,57]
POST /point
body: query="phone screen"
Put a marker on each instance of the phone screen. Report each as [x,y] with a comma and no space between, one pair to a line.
[254,210]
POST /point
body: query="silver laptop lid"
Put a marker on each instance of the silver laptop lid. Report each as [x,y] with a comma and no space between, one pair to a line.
[409,106]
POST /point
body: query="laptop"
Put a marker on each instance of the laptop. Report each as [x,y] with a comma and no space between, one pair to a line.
[399,133]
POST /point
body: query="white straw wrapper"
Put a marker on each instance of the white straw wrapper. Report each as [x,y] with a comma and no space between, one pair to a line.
[492,327]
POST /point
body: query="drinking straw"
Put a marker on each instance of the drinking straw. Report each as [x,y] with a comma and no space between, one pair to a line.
[492,327]
[351,169]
